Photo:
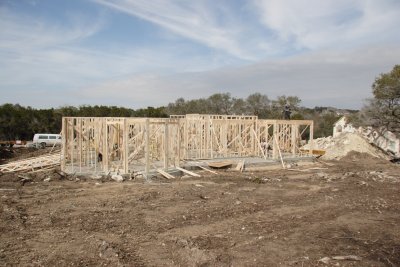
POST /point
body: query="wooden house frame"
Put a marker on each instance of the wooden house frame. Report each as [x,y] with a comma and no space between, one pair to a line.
[144,145]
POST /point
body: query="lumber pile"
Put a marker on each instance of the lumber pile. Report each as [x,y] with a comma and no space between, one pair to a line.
[32,164]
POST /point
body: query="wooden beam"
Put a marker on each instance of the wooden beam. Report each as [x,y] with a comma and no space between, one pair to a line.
[165,174]
[188,172]
[206,169]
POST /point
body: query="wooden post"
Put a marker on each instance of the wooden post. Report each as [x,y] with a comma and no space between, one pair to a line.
[147,148]
[166,145]
[179,140]
[72,140]
[185,138]
[80,137]
[125,141]
[224,139]
[64,137]
[293,138]
[311,137]
[274,146]
[106,146]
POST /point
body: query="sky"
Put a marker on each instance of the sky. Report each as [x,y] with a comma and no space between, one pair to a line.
[140,53]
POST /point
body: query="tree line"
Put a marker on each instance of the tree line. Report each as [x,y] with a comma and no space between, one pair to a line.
[21,123]
[223,103]
[381,111]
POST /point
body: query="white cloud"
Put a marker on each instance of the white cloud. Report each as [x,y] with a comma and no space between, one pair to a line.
[37,54]
[315,24]
[211,23]
[325,78]
[23,33]
[326,52]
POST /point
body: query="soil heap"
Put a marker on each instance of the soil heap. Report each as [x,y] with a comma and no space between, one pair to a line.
[338,147]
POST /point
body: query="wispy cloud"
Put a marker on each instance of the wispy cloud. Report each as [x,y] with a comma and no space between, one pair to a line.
[212,23]
[330,51]
[319,78]
[36,54]
[19,32]
[315,24]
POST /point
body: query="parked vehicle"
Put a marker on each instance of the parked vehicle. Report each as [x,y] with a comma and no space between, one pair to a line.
[44,139]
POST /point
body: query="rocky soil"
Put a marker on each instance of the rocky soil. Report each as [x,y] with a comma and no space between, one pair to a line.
[342,213]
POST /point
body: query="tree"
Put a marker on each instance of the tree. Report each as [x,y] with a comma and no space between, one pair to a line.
[238,106]
[220,103]
[323,125]
[177,108]
[258,104]
[383,111]
[278,106]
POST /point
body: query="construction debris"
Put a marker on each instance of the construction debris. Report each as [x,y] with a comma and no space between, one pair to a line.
[188,172]
[206,169]
[348,257]
[220,164]
[240,166]
[165,174]
[338,147]
[117,178]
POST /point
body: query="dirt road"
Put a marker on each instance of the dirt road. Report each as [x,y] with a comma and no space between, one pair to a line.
[300,217]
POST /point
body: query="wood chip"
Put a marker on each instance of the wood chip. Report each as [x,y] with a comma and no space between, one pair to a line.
[348,257]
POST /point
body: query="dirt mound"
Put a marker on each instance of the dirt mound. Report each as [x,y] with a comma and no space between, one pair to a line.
[347,142]
[364,157]
[5,153]
[323,142]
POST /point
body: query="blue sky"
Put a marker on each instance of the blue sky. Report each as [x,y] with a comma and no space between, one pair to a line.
[138,53]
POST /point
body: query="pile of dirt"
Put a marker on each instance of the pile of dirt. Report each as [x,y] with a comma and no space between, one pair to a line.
[5,153]
[322,143]
[347,142]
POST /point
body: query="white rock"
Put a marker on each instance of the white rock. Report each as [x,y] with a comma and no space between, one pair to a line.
[325,260]
[117,177]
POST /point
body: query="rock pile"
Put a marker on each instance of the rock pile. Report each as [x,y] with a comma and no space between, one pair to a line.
[338,147]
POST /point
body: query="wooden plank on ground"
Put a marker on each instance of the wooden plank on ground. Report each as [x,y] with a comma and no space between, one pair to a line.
[240,166]
[188,172]
[206,169]
[219,164]
[165,174]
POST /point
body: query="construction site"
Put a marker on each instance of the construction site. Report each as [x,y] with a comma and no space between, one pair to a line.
[199,190]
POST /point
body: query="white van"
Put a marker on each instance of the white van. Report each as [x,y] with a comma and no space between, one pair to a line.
[44,139]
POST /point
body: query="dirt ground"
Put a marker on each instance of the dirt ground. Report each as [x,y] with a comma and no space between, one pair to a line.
[299,217]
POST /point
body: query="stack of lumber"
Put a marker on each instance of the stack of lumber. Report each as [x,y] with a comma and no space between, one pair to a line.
[32,164]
